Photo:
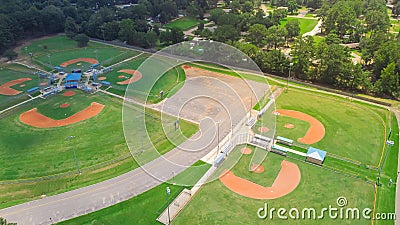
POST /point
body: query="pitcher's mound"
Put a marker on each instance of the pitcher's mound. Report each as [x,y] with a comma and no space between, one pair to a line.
[289,126]
[22,85]
[245,151]
[69,93]
[263,129]
[65,105]
[121,76]
[257,168]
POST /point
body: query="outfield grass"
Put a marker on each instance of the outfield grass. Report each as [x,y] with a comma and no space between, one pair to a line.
[142,209]
[184,23]
[318,188]
[306,24]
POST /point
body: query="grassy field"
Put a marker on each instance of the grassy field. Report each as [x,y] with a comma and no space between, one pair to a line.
[318,188]
[184,23]
[306,24]
[142,209]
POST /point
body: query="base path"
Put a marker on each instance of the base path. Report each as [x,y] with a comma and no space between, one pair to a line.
[35,119]
[316,131]
[6,89]
[286,181]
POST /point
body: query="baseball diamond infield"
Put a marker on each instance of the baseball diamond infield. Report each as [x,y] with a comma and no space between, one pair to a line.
[136,75]
[72,61]
[6,89]
[69,93]
[316,131]
[287,180]
[35,119]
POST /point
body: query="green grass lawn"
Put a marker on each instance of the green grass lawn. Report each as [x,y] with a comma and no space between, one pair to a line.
[306,25]
[351,130]
[318,188]
[184,23]
[395,25]
[142,209]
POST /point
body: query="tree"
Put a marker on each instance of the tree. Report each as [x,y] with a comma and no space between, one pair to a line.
[70,28]
[111,30]
[257,34]
[293,29]
[201,25]
[332,60]
[126,30]
[176,35]
[396,9]
[388,84]
[377,21]
[165,37]
[82,40]
[276,36]
[192,9]
[247,7]
[248,49]
[303,52]
[226,33]
[215,13]
[151,39]
[292,6]
[10,55]
[340,18]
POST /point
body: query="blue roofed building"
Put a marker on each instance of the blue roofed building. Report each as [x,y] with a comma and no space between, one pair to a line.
[315,155]
[72,80]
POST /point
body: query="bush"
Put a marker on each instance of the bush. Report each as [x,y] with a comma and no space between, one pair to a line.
[82,40]
[10,55]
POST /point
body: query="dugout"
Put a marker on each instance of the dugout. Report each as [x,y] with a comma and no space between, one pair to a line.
[284,141]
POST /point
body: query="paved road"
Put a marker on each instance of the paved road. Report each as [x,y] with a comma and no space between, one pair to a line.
[91,198]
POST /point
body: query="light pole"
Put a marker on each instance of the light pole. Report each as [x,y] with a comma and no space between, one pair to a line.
[48,55]
[168,193]
[287,82]
[73,149]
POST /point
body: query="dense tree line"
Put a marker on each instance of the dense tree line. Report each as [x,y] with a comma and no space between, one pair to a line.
[21,19]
